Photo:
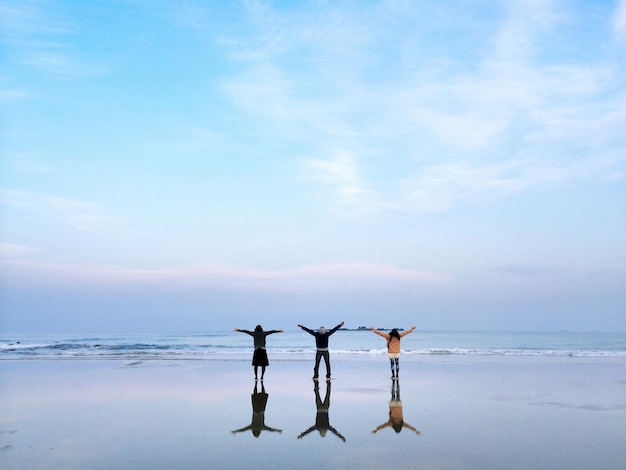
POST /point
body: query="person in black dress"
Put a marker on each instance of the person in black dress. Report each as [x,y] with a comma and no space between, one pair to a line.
[259,358]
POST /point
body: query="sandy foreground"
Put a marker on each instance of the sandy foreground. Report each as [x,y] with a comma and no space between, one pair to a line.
[504,413]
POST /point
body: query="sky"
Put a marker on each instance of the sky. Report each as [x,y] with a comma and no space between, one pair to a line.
[193,166]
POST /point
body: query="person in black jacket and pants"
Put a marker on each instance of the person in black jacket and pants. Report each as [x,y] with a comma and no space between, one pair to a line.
[321,342]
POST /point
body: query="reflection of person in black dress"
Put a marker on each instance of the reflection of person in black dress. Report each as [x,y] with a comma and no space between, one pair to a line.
[259,358]
[396,419]
[322,421]
[259,402]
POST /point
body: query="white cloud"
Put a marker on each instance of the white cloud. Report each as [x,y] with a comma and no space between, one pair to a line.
[619,20]
[84,216]
[81,215]
[461,130]
[333,277]
[14,250]
[24,18]
[10,95]
[27,162]
[341,172]
[41,39]
[515,39]
[512,122]
[439,188]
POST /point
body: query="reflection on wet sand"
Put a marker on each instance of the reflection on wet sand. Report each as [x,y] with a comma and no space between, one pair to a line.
[259,402]
[396,419]
[322,420]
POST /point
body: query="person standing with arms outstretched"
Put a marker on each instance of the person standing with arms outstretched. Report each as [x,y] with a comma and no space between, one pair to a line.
[321,342]
[259,358]
[393,347]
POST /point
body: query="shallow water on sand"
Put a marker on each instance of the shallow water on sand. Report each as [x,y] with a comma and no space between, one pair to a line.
[182,414]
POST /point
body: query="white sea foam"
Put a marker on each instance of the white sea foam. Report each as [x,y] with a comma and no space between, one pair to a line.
[346,344]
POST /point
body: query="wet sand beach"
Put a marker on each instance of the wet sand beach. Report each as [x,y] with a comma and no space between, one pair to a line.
[508,413]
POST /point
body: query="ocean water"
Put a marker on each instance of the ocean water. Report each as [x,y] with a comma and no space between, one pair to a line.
[479,400]
[296,345]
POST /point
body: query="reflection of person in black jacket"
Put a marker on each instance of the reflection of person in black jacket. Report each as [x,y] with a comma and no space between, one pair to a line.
[259,402]
[321,342]
[259,358]
[322,421]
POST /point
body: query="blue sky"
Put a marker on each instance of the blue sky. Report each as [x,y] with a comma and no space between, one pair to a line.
[200,165]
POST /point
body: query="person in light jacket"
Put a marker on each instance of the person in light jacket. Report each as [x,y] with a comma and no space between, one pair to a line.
[393,347]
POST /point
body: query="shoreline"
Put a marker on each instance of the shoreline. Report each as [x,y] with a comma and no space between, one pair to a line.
[245,357]
[346,345]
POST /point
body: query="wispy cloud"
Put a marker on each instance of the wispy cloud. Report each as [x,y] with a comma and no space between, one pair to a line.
[25,18]
[330,277]
[81,215]
[40,39]
[444,187]
[552,278]
[341,174]
[14,250]
[12,94]
[28,162]
[528,270]
[466,133]
[619,20]
[440,188]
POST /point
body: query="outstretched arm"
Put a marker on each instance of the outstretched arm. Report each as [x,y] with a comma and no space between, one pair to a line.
[247,428]
[312,428]
[335,329]
[379,333]
[407,425]
[267,428]
[382,426]
[311,332]
[337,433]
[271,332]
[244,331]
[410,330]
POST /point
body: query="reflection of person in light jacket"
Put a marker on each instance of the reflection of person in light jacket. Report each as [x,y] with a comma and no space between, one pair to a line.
[393,347]
[396,420]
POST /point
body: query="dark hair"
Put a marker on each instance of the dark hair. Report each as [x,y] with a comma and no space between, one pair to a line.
[393,334]
[397,427]
[258,328]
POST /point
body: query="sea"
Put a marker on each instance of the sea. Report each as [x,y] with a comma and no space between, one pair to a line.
[299,345]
